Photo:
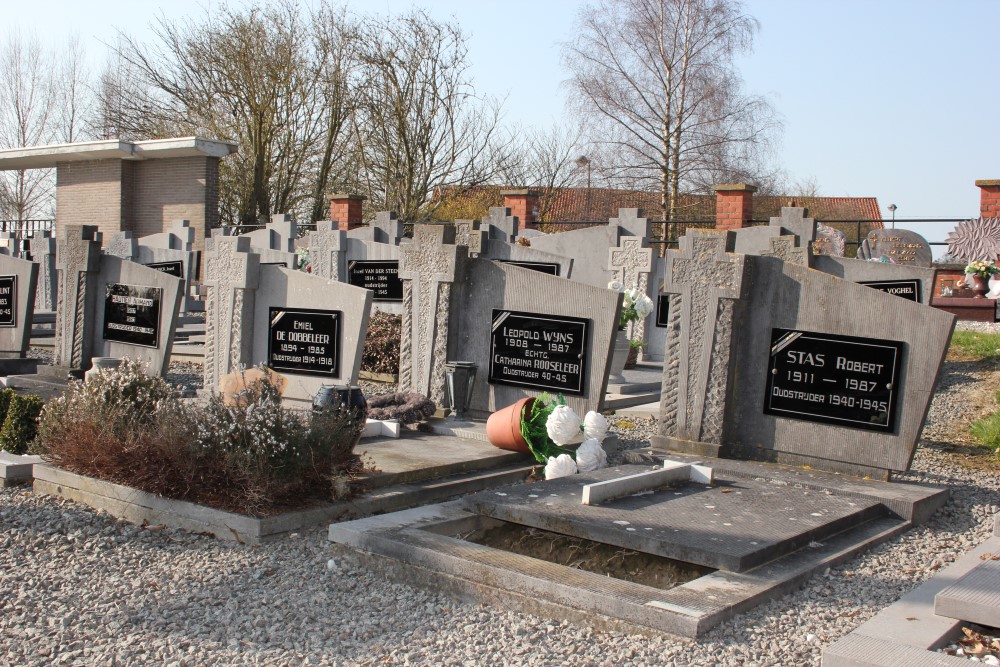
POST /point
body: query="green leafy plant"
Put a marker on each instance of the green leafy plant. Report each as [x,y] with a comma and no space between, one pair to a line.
[381,352]
[20,424]
[533,428]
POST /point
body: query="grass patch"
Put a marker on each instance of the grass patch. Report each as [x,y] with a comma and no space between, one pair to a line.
[986,431]
[974,346]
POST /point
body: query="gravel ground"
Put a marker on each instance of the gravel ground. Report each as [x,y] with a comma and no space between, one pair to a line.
[78,587]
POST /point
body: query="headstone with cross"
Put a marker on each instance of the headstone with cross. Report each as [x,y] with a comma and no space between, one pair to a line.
[501,225]
[471,235]
[793,218]
[630,222]
[388,228]
[705,282]
[631,263]
[232,274]
[428,267]
[328,251]
[123,245]
[43,251]
[78,260]
[276,242]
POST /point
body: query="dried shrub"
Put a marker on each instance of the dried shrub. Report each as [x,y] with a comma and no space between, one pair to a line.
[405,407]
[381,353]
[256,458]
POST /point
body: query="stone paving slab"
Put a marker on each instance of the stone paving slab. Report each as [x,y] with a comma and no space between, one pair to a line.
[910,625]
[975,597]
[16,469]
[734,524]
[416,456]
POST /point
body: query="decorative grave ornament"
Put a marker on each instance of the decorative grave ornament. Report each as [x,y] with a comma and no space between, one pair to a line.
[705,283]
[829,241]
[427,267]
[899,246]
[977,239]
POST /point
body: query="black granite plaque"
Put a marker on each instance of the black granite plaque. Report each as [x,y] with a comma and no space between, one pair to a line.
[8,301]
[833,379]
[539,351]
[170,268]
[907,289]
[304,341]
[380,276]
[283,265]
[132,314]
[662,310]
[550,268]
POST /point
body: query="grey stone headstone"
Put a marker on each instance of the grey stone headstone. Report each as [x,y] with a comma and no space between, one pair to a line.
[469,234]
[118,271]
[276,242]
[122,245]
[707,285]
[328,251]
[631,223]
[78,261]
[793,218]
[902,246]
[829,241]
[631,263]
[358,249]
[501,225]
[489,285]
[43,252]
[428,267]
[232,275]
[15,333]
[588,247]
[861,271]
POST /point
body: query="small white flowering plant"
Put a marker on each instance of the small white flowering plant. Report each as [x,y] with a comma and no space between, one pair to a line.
[550,426]
[982,268]
[302,260]
[635,306]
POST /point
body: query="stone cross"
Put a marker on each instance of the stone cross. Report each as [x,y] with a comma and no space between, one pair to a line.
[43,251]
[184,233]
[631,263]
[793,218]
[78,260]
[284,228]
[123,245]
[328,251]
[469,234]
[786,249]
[501,225]
[631,223]
[387,228]
[704,282]
[232,274]
[427,266]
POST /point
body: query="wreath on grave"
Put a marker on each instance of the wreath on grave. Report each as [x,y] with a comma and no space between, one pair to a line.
[406,407]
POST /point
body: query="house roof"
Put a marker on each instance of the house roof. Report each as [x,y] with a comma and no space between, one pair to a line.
[41,157]
[572,205]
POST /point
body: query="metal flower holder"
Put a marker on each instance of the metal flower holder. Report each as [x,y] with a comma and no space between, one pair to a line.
[461,376]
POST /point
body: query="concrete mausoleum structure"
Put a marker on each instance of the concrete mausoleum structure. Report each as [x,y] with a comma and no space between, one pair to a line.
[139,187]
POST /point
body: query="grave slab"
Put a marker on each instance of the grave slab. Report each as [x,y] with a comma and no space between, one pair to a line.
[975,597]
[16,469]
[733,525]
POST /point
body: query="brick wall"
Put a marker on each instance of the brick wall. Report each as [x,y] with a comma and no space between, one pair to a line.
[522,205]
[172,189]
[733,205]
[346,210]
[989,198]
[90,193]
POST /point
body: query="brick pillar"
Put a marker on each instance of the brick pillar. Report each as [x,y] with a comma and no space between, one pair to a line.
[989,198]
[733,205]
[346,211]
[523,204]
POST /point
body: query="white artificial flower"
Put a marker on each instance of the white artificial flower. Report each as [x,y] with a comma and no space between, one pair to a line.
[643,306]
[591,456]
[616,286]
[595,425]
[560,466]
[563,425]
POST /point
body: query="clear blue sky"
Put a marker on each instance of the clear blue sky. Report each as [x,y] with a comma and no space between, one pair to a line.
[895,99]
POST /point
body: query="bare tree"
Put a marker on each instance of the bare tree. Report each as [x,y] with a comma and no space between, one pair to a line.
[419,125]
[27,118]
[658,80]
[267,76]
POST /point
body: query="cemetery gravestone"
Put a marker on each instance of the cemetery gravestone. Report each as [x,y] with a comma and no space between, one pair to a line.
[977,239]
[385,228]
[899,245]
[18,281]
[327,251]
[78,261]
[829,241]
[276,242]
[838,388]
[43,252]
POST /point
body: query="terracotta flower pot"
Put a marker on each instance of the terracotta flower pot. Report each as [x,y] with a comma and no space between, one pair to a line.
[503,428]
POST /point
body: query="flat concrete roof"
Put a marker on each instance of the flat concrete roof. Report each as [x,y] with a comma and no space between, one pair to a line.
[44,157]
